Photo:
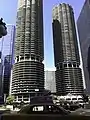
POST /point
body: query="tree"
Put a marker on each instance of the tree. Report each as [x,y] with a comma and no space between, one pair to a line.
[3,28]
[10,99]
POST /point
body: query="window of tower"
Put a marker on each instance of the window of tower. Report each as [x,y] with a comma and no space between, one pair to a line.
[65,65]
[57,67]
[37,59]
[77,65]
[19,96]
[74,65]
[70,65]
[25,99]
[27,57]
[60,65]
[21,58]
[32,58]
[17,59]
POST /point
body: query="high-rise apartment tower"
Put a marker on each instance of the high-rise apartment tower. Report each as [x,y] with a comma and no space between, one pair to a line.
[66,53]
[28,70]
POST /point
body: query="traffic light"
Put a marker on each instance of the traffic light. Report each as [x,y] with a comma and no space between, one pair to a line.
[3,28]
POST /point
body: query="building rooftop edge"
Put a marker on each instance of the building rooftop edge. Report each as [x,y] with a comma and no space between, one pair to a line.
[58,4]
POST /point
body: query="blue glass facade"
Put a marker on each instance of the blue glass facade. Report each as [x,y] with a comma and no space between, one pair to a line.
[7,49]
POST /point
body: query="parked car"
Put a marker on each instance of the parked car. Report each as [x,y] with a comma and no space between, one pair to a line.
[81,112]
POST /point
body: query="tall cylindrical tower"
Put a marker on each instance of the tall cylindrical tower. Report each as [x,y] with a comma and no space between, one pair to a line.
[66,53]
[28,70]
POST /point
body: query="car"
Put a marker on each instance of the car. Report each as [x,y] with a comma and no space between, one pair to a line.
[43,108]
[81,112]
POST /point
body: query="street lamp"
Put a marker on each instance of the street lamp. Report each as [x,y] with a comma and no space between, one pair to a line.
[3,28]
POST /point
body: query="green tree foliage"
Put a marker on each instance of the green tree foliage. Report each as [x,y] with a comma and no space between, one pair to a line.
[10,99]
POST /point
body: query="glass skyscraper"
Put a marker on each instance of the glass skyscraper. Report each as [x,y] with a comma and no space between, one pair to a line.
[66,53]
[83,25]
[7,42]
[28,70]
